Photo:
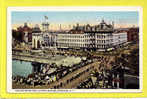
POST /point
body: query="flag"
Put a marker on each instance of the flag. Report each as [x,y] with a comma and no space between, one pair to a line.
[46,17]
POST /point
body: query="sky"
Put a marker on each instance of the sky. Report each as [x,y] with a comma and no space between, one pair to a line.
[121,18]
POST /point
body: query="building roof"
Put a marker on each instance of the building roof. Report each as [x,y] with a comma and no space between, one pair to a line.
[103,27]
[36,29]
[25,28]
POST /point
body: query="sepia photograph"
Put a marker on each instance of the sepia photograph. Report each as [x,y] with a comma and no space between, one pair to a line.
[73,49]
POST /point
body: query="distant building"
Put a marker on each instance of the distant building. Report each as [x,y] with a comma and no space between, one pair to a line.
[26,33]
[133,34]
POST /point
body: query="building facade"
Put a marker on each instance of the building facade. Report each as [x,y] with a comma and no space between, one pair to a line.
[133,34]
[99,37]
[37,39]
[25,32]
[119,38]
[49,39]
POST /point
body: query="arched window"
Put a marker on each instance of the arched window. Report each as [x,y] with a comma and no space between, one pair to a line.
[34,43]
[38,44]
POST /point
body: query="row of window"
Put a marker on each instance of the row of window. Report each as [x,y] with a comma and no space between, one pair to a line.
[83,45]
[72,40]
[68,36]
[85,36]
[104,36]
[104,41]
[83,41]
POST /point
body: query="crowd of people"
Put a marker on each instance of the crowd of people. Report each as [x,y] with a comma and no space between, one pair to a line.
[44,76]
[97,80]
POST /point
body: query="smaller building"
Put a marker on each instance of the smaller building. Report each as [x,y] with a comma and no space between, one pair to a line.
[26,33]
[37,38]
[119,38]
[49,39]
[133,34]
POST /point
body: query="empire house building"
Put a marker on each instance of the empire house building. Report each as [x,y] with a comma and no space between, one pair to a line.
[101,37]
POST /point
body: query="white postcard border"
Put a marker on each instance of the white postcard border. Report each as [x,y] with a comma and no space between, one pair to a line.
[74,8]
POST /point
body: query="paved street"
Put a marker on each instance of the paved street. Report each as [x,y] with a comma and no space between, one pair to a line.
[72,80]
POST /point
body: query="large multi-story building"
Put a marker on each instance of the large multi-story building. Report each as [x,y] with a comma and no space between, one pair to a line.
[99,37]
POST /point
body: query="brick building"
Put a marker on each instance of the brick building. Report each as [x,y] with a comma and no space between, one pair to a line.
[133,34]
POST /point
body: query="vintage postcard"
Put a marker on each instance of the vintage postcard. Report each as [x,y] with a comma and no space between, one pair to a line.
[74,49]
